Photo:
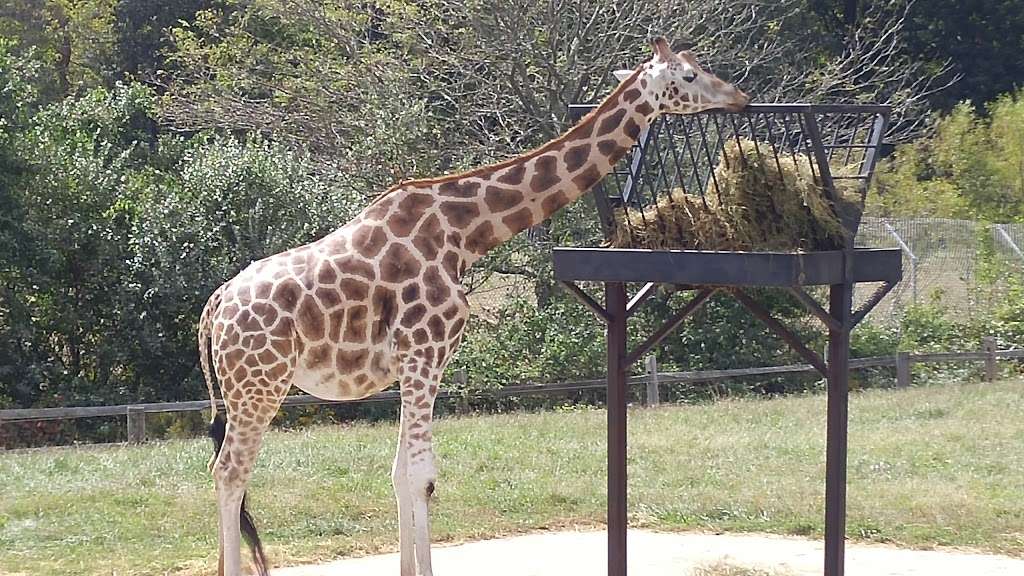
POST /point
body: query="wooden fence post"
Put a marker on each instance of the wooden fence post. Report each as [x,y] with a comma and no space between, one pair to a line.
[653,396]
[902,369]
[459,379]
[136,424]
[988,346]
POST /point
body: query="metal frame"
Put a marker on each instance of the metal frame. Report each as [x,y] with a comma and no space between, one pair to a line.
[791,129]
[575,265]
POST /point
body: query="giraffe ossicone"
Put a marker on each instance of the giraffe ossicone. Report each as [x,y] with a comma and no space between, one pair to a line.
[380,299]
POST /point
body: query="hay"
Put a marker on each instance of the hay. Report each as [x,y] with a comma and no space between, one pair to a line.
[758,204]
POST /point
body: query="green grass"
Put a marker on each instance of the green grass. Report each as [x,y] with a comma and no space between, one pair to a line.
[928,466]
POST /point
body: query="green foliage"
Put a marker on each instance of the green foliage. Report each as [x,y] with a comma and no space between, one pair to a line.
[120,238]
[971,167]
[525,343]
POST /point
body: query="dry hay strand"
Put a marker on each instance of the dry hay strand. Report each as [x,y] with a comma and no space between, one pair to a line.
[754,201]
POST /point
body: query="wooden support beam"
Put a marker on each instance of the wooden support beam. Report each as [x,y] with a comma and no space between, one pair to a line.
[587,301]
[775,326]
[670,325]
[814,308]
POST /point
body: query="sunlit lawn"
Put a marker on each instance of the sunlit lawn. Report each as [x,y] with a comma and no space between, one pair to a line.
[928,466]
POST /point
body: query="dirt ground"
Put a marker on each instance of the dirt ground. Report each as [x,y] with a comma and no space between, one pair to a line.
[657,554]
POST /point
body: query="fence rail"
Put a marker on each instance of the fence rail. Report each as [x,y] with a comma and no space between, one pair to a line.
[135,413]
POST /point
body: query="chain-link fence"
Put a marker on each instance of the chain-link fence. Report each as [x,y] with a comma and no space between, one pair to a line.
[959,261]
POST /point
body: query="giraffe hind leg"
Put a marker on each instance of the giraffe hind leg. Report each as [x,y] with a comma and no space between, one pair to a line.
[231,474]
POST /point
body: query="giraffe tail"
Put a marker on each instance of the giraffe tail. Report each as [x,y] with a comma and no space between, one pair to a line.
[205,327]
[218,428]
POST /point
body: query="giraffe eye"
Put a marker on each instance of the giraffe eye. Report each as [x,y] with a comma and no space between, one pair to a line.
[691,77]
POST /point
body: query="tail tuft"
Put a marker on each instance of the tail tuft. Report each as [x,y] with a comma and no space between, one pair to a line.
[218,428]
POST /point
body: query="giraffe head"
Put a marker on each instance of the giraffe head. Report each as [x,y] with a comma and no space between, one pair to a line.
[675,84]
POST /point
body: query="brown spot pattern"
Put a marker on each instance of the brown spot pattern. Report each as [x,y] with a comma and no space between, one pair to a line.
[630,95]
[584,180]
[644,108]
[398,264]
[513,174]
[612,122]
[410,292]
[310,319]
[349,264]
[576,156]
[286,295]
[632,129]
[554,202]
[410,212]
[437,290]
[349,361]
[460,214]
[545,173]
[413,315]
[519,220]
[500,199]
[355,324]
[458,189]
[385,308]
[429,238]
[368,240]
[481,239]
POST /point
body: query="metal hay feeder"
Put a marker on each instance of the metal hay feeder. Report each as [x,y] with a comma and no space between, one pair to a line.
[840,146]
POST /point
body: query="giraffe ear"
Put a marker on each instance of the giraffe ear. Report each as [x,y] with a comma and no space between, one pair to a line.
[621,75]
[662,51]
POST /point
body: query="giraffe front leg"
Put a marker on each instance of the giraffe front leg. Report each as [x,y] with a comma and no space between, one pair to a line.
[400,481]
[419,388]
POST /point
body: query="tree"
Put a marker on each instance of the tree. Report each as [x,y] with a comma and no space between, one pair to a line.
[971,167]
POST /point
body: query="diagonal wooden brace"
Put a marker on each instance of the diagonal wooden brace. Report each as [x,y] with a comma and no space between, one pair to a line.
[813,307]
[778,328]
[670,324]
[587,301]
[871,302]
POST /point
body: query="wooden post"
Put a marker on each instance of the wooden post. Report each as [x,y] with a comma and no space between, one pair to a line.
[653,397]
[902,369]
[615,304]
[136,424]
[988,346]
[459,379]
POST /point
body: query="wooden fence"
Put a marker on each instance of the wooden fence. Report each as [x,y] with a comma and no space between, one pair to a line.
[652,380]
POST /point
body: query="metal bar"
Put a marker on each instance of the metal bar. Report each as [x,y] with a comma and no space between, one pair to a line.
[587,301]
[670,324]
[580,110]
[695,267]
[813,307]
[910,254]
[871,302]
[779,329]
[840,300]
[1009,241]
[811,125]
[615,296]
[640,297]
[874,144]
[635,162]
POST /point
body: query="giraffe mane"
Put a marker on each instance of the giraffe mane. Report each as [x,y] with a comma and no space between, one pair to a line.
[607,103]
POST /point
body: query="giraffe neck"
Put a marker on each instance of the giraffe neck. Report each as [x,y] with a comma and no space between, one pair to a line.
[492,204]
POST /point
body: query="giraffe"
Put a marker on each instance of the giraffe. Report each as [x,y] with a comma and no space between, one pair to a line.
[379,300]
